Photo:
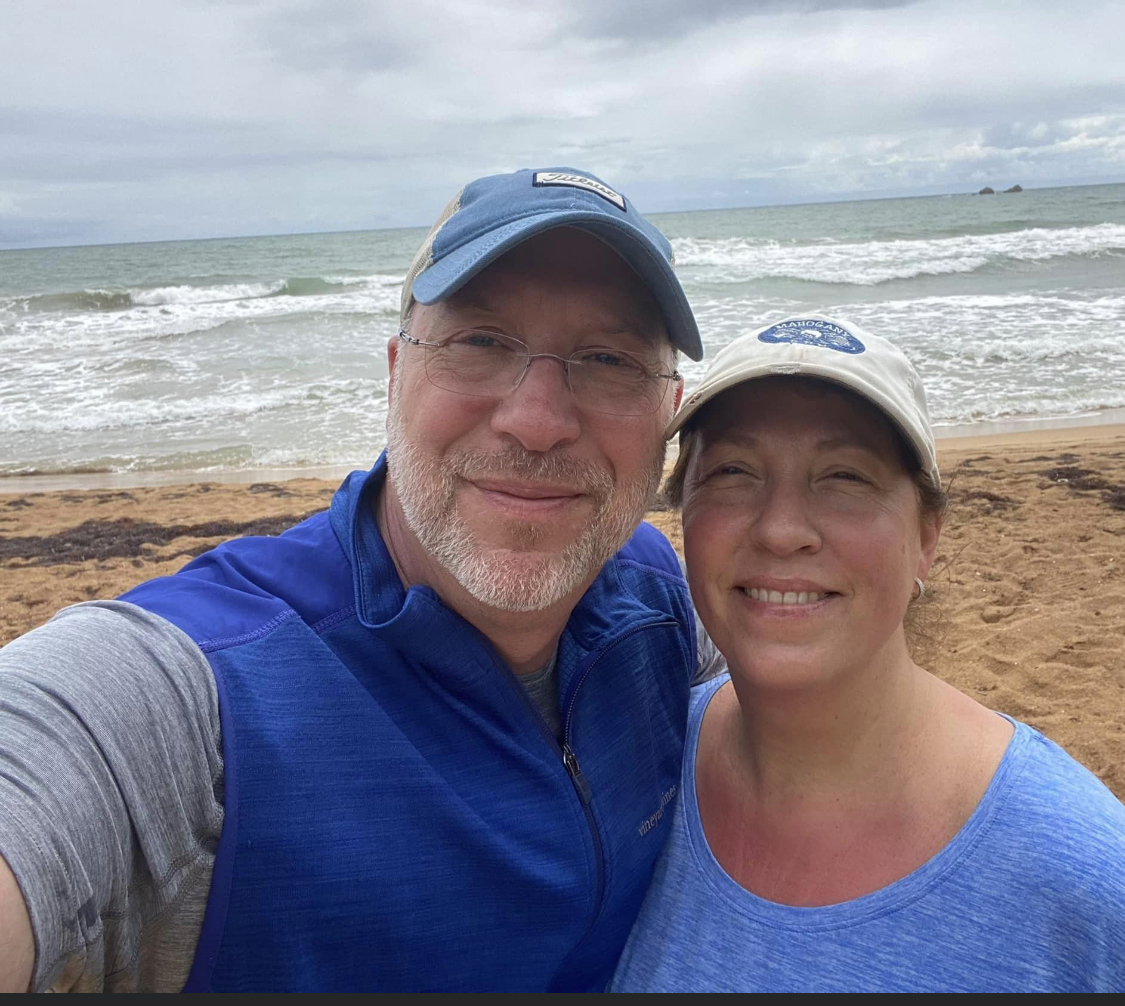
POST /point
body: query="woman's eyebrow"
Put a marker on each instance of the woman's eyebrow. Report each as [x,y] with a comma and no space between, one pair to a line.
[728,438]
[838,443]
[734,438]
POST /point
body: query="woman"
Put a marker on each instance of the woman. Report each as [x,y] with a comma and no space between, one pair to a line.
[846,821]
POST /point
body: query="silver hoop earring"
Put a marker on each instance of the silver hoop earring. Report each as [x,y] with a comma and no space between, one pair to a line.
[921,589]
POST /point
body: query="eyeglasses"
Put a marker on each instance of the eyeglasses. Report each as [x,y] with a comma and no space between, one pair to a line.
[488,365]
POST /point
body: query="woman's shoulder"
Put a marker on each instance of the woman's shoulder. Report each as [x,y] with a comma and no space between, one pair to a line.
[701,695]
[1057,814]
[1053,773]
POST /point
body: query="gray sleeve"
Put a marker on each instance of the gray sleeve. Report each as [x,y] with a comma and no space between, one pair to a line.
[110,795]
[709,662]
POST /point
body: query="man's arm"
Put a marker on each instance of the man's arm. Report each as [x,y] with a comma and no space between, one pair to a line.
[710,662]
[110,800]
[17,947]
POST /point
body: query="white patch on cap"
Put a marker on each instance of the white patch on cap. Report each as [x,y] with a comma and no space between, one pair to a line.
[579,182]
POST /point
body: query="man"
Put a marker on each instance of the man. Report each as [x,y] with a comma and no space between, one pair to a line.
[424,740]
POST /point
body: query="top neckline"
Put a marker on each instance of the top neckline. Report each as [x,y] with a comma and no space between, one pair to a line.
[894,896]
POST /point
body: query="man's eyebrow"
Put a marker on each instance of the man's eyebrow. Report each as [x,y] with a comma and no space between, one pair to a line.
[632,324]
[468,297]
[647,325]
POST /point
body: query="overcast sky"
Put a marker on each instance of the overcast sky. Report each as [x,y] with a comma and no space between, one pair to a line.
[126,120]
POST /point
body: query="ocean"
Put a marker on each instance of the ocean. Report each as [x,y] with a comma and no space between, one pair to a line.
[242,355]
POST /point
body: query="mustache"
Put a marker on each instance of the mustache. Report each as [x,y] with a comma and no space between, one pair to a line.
[517,463]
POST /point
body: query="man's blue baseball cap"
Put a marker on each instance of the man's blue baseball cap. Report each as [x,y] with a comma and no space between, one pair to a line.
[492,215]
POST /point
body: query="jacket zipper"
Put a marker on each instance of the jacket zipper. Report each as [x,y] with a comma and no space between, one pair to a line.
[570,761]
[574,770]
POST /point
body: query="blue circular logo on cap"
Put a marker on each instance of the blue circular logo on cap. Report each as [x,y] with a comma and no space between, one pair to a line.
[814,332]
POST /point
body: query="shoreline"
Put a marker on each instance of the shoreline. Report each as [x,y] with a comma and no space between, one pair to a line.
[1032,429]
[995,433]
[102,481]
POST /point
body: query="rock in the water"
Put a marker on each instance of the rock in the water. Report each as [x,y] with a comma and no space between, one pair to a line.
[1014,188]
[986,191]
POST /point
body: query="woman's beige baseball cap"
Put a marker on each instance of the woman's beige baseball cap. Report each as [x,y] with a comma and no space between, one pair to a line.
[831,350]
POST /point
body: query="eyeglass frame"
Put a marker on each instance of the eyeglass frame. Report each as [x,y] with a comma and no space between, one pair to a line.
[528,356]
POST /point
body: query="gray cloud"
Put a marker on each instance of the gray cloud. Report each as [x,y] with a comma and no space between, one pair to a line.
[187,119]
[630,20]
[333,36]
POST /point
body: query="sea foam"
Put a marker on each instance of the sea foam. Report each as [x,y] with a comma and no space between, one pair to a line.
[868,263]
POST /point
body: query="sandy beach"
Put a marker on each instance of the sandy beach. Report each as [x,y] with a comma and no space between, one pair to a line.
[1027,596]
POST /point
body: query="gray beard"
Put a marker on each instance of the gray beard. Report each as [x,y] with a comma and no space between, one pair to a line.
[514,578]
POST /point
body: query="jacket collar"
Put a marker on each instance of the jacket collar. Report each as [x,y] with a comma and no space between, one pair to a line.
[417,621]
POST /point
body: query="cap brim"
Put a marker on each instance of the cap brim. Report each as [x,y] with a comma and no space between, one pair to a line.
[454,270]
[926,458]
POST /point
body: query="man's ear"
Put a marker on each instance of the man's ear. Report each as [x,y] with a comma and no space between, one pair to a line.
[393,344]
[678,396]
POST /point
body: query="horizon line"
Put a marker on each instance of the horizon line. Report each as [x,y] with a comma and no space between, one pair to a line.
[653,213]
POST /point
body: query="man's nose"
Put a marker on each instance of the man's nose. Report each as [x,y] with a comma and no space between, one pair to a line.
[540,413]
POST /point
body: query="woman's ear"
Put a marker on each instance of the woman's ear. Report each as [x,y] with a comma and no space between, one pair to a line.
[930,532]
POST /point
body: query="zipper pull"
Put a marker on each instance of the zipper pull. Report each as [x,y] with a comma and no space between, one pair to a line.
[574,770]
